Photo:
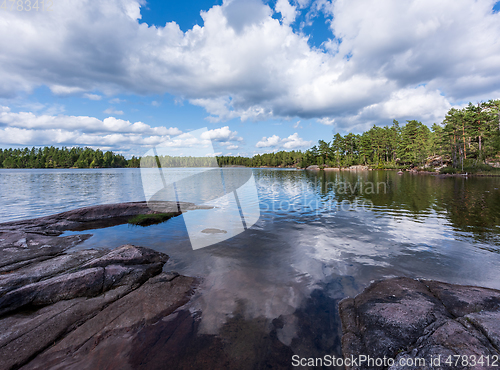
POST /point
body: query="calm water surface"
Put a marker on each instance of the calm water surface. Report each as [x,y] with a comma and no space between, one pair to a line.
[28,193]
[322,236]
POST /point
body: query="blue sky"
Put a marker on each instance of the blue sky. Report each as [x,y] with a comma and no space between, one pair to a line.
[259,75]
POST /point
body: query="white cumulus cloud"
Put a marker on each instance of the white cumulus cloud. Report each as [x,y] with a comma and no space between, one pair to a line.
[327,121]
[291,142]
[26,128]
[268,142]
[288,11]
[222,134]
[243,63]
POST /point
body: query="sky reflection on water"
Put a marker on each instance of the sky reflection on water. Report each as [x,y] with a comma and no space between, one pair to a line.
[305,240]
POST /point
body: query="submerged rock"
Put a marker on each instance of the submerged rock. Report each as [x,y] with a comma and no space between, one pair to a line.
[405,319]
[94,217]
[213,231]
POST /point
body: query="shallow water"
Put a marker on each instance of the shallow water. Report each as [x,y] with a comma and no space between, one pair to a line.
[321,236]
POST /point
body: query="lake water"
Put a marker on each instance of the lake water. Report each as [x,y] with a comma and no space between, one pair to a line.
[321,236]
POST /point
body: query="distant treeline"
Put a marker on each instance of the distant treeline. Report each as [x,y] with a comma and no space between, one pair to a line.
[466,137]
[278,159]
[169,161]
[52,157]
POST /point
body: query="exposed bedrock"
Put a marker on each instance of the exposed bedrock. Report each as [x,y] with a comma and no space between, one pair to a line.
[404,318]
[30,242]
[94,217]
[55,312]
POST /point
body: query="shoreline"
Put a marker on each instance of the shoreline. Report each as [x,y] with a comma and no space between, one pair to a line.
[327,169]
[337,169]
[53,301]
[93,217]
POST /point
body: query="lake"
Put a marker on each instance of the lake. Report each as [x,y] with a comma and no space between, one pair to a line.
[321,236]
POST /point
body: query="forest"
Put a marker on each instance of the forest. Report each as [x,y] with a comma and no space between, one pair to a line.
[466,140]
[52,157]
[166,161]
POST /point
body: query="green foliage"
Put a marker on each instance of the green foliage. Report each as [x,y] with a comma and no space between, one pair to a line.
[469,133]
[448,170]
[151,219]
[278,159]
[9,163]
[169,161]
[52,157]
[134,162]
[479,168]
[414,146]
[467,136]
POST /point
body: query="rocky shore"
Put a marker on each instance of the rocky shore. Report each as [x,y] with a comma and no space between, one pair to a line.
[405,319]
[119,309]
[93,217]
[67,308]
[83,309]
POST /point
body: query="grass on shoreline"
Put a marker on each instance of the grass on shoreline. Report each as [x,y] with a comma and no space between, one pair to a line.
[152,219]
[475,170]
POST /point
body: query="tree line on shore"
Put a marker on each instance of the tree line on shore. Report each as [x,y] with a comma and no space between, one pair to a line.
[166,161]
[464,140]
[52,157]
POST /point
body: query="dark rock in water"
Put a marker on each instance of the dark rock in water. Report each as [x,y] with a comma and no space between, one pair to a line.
[26,334]
[48,267]
[90,279]
[462,300]
[85,283]
[28,242]
[94,217]
[214,231]
[403,318]
[313,167]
